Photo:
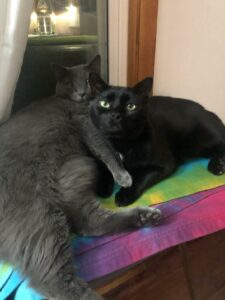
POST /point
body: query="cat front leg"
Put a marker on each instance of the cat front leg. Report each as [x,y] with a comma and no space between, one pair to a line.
[102,149]
[102,221]
[84,211]
[143,179]
[217,162]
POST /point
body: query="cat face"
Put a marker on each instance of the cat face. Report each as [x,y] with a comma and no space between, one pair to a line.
[73,82]
[119,112]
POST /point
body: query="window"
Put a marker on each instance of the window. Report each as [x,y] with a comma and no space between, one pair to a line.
[68,32]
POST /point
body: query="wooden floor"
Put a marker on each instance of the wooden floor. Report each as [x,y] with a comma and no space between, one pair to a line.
[192,271]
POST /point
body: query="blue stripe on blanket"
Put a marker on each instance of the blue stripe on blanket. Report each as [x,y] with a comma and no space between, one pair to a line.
[14,287]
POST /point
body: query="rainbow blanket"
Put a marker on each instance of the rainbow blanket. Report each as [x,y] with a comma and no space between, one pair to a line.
[197,208]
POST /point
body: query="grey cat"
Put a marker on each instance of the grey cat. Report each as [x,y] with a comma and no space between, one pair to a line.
[48,170]
[73,82]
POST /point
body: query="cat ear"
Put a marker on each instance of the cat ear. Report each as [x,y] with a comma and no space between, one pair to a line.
[95,64]
[60,71]
[144,87]
[97,85]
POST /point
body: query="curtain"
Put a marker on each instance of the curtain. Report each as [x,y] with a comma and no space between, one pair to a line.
[14,26]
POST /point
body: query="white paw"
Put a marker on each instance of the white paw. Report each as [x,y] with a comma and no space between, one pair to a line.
[124,179]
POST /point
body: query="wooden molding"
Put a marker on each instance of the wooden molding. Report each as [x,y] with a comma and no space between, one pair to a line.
[194,270]
[142,27]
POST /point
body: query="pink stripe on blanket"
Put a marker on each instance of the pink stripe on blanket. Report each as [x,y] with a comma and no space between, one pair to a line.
[201,214]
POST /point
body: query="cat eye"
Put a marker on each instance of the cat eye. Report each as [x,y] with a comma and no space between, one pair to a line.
[131,106]
[104,104]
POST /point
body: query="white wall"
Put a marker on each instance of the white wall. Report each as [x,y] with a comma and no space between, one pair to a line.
[118,41]
[190,52]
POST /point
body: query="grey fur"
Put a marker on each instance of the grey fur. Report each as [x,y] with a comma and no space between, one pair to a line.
[47,174]
[73,82]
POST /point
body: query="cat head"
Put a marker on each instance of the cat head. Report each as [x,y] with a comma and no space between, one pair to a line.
[73,82]
[117,111]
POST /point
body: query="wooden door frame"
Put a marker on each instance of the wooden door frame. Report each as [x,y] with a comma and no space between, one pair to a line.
[142,26]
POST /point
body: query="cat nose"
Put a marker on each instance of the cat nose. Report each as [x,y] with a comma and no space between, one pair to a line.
[116,116]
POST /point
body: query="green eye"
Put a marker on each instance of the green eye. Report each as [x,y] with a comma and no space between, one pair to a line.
[104,104]
[131,106]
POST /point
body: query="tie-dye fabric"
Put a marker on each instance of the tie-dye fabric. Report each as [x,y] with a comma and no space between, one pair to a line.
[189,179]
[197,209]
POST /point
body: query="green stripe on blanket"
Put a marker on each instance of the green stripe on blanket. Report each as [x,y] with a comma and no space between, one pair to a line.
[188,179]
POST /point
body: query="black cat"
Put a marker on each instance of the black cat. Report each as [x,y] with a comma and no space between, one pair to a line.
[155,135]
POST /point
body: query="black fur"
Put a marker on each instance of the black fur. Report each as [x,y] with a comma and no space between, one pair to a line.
[157,136]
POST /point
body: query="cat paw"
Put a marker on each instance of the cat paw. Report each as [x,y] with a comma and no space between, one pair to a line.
[148,216]
[217,166]
[123,178]
[122,198]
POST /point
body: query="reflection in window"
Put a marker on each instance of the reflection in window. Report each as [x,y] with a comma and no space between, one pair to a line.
[67,32]
[63,17]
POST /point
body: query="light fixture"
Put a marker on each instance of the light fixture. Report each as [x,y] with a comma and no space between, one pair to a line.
[33,17]
[42,7]
[53,18]
[73,15]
